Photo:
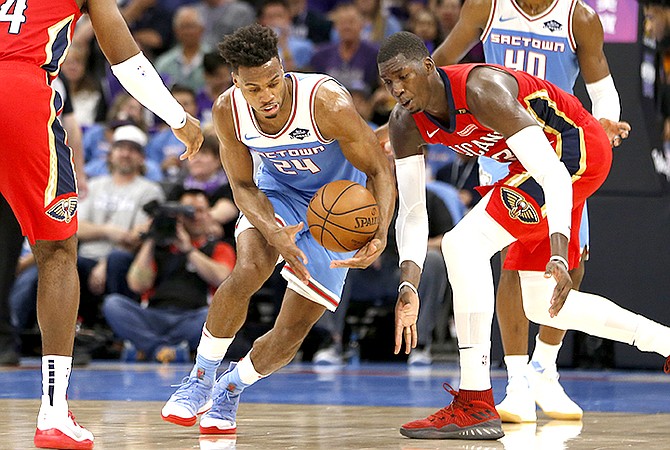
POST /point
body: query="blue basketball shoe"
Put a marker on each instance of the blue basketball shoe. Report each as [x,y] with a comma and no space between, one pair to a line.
[220,419]
[193,397]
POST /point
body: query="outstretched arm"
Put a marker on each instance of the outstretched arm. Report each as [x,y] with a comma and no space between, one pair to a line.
[411,224]
[137,74]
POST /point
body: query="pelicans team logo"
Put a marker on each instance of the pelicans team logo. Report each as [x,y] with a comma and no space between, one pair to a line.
[63,210]
[518,207]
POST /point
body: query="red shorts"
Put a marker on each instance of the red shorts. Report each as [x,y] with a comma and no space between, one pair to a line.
[517,201]
[37,171]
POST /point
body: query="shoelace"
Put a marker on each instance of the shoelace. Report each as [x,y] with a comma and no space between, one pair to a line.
[449,410]
[71,416]
[225,403]
[183,392]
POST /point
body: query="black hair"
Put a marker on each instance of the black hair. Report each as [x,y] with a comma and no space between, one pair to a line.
[402,43]
[250,46]
[212,61]
[182,89]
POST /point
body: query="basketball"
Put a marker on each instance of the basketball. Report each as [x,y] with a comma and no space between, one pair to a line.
[343,216]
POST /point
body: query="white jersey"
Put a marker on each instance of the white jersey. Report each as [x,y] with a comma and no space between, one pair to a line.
[298,157]
[542,45]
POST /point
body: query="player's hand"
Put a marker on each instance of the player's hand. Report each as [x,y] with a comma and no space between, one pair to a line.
[616,131]
[284,241]
[406,315]
[560,273]
[365,256]
[191,135]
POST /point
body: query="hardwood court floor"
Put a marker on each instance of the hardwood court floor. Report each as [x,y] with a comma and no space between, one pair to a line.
[350,407]
[137,425]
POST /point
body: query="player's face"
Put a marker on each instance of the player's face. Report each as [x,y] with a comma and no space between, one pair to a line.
[263,87]
[407,81]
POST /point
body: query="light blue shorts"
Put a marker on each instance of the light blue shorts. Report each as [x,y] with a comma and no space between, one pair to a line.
[325,285]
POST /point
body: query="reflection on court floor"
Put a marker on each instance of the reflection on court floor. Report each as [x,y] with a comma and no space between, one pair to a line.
[349,407]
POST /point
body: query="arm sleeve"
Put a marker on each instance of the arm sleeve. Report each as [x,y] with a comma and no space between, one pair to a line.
[412,222]
[532,149]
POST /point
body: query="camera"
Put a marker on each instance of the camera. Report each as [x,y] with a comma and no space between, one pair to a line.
[163,229]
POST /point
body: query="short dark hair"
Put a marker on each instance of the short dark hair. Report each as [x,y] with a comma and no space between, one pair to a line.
[405,43]
[182,89]
[250,46]
[212,61]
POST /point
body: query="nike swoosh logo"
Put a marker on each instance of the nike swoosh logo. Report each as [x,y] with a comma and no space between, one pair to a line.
[76,432]
[247,137]
[431,134]
[505,19]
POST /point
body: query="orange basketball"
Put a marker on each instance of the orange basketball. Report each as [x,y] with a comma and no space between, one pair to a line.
[343,216]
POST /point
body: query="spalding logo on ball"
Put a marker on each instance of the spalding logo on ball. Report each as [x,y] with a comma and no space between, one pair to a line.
[343,216]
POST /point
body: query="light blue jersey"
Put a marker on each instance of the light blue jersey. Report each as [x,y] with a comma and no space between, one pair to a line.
[297,157]
[542,45]
[294,164]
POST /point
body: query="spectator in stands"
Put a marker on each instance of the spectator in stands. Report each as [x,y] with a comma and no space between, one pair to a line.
[150,22]
[84,89]
[378,22]
[164,148]
[222,17]
[295,51]
[176,277]
[425,24]
[351,60]
[205,172]
[217,79]
[309,23]
[182,64]
[97,139]
[112,218]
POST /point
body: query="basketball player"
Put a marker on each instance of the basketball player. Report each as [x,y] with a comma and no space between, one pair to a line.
[37,176]
[552,40]
[306,132]
[559,156]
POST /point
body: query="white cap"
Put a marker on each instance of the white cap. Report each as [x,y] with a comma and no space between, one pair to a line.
[130,133]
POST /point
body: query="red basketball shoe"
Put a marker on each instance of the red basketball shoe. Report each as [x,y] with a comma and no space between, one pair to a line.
[666,366]
[471,415]
[63,433]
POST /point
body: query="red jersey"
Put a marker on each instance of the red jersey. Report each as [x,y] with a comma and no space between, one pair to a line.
[558,112]
[517,202]
[37,32]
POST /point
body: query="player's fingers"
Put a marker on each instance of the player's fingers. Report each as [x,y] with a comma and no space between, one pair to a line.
[408,340]
[398,337]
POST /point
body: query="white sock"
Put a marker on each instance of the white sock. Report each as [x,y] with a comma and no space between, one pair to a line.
[55,379]
[247,371]
[475,367]
[545,354]
[516,365]
[213,348]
